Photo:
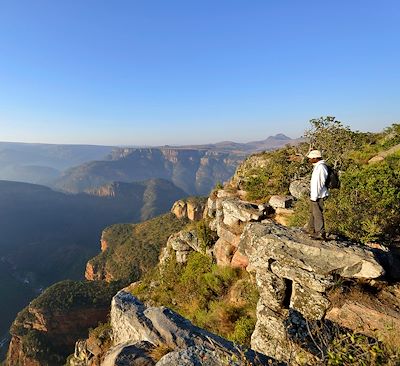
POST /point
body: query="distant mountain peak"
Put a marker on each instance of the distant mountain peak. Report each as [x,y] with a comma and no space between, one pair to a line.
[280,136]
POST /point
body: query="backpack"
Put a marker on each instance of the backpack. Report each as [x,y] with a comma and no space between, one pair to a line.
[332,180]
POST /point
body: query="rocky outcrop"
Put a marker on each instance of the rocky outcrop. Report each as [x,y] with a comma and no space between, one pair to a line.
[57,330]
[293,274]
[137,330]
[375,313]
[229,214]
[382,155]
[95,272]
[277,201]
[46,331]
[179,209]
[191,208]
[181,245]
[17,356]
[300,188]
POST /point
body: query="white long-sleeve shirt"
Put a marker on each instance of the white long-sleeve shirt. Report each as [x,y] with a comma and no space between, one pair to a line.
[318,180]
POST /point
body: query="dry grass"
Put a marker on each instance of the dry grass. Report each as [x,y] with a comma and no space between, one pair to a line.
[160,351]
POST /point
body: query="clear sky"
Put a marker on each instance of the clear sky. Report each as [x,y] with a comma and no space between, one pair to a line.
[194,71]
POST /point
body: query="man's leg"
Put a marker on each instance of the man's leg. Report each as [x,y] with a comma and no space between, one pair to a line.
[318,214]
[310,226]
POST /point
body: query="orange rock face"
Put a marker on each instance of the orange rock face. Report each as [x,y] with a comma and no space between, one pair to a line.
[104,244]
[383,324]
[239,260]
[16,355]
[93,273]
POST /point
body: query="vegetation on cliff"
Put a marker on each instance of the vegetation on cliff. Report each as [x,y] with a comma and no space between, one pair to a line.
[51,309]
[366,207]
[133,249]
[219,299]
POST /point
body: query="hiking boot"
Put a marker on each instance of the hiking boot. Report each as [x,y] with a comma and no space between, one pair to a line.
[318,236]
[307,231]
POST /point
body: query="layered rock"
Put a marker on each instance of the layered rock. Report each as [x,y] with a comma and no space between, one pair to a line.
[137,330]
[376,314]
[192,170]
[229,214]
[293,274]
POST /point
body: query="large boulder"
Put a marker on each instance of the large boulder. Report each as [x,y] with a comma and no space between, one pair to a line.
[300,188]
[293,276]
[277,201]
[191,208]
[179,209]
[235,211]
[271,242]
[138,329]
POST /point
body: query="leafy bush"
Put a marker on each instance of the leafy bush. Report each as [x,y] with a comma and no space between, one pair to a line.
[66,295]
[244,328]
[367,206]
[391,136]
[275,176]
[333,138]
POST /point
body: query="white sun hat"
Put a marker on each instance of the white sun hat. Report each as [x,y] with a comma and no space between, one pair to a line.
[314,154]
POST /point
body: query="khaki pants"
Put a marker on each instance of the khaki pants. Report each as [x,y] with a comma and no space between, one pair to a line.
[316,222]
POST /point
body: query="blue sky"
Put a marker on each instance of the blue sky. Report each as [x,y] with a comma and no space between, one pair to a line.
[194,71]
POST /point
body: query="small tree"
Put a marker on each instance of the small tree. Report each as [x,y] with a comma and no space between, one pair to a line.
[332,137]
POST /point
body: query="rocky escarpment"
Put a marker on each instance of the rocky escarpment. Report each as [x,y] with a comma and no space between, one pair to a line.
[194,171]
[296,276]
[158,336]
[45,332]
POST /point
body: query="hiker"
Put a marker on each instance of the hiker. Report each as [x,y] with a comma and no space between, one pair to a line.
[318,192]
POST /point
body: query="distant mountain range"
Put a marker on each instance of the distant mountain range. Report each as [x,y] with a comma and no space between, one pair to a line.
[270,143]
[195,168]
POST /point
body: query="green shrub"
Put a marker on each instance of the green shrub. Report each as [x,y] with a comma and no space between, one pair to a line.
[367,206]
[205,234]
[133,249]
[244,328]
[273,178]
[199,291]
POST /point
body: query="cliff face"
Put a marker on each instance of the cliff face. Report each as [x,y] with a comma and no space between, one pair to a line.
[56,332]
[45,332]
[194,171]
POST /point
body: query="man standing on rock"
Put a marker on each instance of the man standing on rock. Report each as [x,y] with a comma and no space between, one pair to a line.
[318,192]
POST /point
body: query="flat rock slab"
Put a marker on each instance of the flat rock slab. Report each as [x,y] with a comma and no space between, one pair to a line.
[266,242]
